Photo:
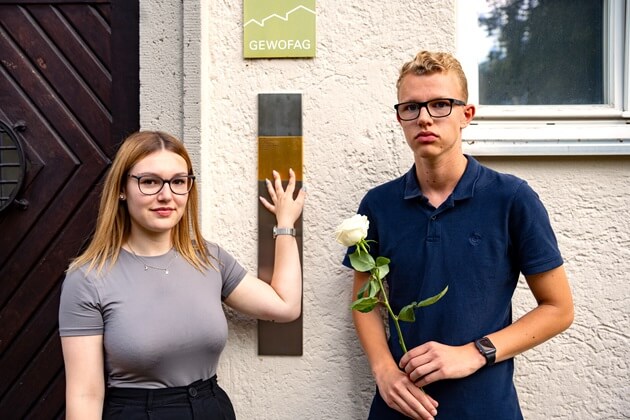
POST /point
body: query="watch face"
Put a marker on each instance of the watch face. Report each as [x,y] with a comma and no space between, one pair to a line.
[485,342]
[487,349]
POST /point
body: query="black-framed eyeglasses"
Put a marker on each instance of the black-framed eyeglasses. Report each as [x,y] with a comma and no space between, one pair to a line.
[437,108]
[152,184]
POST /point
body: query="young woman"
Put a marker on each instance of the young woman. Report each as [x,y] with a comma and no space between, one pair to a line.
[141,318]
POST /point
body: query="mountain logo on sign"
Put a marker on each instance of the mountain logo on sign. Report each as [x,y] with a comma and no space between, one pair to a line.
[285,18]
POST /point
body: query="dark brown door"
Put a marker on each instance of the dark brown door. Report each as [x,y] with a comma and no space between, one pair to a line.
[69,88]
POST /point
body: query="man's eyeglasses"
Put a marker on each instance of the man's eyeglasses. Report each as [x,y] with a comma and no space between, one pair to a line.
[437,108]
[152,184]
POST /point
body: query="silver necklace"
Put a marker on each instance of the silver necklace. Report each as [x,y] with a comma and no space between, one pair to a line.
[147,266]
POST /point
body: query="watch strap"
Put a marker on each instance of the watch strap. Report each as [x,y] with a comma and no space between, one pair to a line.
[283,231]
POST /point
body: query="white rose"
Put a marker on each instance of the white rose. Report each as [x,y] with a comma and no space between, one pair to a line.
[352,230]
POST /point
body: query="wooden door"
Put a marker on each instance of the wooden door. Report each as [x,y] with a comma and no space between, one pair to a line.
[69,89]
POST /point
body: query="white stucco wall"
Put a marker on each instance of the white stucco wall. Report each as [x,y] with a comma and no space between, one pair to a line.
[195,83]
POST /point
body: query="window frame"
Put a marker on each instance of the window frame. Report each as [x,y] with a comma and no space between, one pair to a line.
[602,129]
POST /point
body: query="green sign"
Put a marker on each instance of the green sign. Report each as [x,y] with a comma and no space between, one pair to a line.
[279,28]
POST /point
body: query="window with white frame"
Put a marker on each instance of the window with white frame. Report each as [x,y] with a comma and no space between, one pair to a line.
[548,76]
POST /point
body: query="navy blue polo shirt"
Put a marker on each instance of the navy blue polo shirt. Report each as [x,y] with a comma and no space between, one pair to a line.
[491,228]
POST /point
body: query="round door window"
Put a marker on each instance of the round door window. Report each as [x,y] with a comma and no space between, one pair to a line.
[12,166]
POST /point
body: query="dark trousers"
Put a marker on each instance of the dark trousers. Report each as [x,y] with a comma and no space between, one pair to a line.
[201,400]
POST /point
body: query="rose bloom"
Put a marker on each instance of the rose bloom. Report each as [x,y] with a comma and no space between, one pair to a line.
[352,230]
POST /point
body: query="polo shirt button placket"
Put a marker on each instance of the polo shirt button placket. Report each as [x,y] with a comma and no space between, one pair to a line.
[433,230]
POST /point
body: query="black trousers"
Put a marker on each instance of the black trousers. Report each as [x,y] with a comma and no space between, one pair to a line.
[201,400]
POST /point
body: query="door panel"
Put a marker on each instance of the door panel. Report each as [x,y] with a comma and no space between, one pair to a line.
[71,101]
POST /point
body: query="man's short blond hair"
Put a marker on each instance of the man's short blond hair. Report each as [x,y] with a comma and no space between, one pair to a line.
[427,62]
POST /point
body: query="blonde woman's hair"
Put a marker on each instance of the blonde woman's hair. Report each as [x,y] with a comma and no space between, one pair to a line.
[114,224]
[427,63]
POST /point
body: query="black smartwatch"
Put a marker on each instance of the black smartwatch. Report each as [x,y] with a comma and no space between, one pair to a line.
[487,350]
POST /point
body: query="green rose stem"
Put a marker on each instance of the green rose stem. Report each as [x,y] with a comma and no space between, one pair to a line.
[372,292]
[401,340]
[352,232]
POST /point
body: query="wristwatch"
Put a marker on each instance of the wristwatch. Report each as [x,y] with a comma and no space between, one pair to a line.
[283,231]
[487,350]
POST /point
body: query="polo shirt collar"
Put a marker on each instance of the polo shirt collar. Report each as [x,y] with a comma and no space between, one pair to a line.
[464,189]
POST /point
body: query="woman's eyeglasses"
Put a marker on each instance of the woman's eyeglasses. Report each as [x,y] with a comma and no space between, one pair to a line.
[152,184]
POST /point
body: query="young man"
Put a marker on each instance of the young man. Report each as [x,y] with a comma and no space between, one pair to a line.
[451,221]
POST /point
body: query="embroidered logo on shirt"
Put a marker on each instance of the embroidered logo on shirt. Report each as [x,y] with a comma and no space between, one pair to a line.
[475,239]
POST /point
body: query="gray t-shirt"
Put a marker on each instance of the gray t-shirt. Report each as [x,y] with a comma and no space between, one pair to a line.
[159,330]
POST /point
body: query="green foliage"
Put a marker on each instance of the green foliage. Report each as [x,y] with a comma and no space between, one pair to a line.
[371,287]
[408,314]
[382,267]
[548,52]
[372,292]
[365,304]
[362,261]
